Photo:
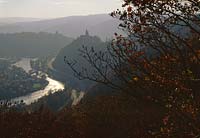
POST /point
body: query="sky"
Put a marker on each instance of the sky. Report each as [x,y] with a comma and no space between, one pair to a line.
[56,8]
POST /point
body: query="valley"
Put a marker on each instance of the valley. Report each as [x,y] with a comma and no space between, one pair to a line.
[99,69]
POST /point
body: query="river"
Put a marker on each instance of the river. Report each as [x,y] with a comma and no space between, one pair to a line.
[53,85]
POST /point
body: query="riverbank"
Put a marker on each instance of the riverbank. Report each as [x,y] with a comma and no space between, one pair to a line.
[45,65]
[16,82]
[39,89]
[53,85]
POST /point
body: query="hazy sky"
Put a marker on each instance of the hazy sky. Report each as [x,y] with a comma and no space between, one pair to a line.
[55,8]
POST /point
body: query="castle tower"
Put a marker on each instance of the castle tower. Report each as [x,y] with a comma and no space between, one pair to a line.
[87,33]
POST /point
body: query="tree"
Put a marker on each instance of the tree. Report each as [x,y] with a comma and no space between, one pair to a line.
[159,59]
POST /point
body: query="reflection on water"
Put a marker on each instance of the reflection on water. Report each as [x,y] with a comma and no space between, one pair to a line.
[53,85]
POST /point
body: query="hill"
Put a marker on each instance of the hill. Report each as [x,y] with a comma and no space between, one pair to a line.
[101,25]
[27,44]
[71,52]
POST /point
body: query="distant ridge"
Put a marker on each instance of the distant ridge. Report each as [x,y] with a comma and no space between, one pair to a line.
[12,20]
[101,25]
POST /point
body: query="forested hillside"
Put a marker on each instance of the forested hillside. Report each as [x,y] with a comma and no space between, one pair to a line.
[144,84]
[27,44]
[72,52]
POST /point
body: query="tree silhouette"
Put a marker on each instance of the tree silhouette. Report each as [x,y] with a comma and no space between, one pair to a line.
[158,59]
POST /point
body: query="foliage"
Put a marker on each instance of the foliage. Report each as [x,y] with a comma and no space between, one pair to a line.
[110,117]
[53,101]
[158,59]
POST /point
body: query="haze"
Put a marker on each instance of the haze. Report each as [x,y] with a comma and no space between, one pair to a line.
[55,8]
